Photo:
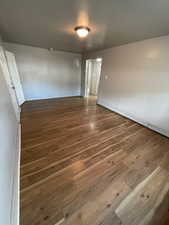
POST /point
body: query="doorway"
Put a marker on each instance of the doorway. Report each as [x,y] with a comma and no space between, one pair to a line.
[14,77]
[92,76]
[9,70]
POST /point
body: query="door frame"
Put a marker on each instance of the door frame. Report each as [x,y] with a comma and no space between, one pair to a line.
[10,86]
[88,66]
[87,76]
[14,75]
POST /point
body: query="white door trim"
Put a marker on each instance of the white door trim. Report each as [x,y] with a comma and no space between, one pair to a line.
[13,70]
[6,74]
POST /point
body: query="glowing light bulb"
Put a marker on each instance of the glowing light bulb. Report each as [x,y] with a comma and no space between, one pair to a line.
[82,32]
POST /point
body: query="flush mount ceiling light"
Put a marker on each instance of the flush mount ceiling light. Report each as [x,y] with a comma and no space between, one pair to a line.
[82,31]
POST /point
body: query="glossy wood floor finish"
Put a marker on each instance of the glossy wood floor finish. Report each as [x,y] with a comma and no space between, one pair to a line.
[82,164]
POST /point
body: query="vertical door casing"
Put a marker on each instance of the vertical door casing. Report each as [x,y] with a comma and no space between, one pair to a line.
[5,71]
[15,77]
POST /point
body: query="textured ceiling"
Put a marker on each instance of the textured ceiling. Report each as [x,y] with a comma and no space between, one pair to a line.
[50,23]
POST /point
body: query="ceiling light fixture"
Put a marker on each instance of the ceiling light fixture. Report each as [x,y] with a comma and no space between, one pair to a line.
[82,31]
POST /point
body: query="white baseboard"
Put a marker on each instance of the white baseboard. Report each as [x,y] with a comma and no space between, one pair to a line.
[144,123]
[54,97]
[15,212]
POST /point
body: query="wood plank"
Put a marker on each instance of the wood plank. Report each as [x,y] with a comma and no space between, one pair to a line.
[85,165]
[146,196]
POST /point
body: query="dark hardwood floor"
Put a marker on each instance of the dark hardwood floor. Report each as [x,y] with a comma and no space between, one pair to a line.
[82,164]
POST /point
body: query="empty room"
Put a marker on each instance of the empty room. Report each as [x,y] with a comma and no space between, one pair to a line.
[84,112]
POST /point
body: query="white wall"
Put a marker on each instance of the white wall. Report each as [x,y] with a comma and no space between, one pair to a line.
[46,74]
[135,81]
[8,152]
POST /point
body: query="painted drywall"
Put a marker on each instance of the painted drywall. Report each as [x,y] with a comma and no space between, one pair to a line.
[8,153]
[135,81]
[45,74]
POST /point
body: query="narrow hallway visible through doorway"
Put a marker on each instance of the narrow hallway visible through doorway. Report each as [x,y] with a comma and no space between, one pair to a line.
[92,78]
